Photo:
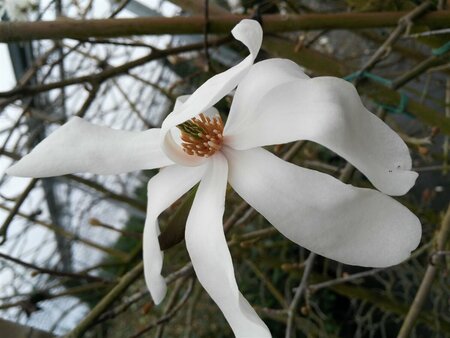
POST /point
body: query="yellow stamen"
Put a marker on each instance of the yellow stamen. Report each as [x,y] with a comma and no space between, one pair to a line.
[202,136]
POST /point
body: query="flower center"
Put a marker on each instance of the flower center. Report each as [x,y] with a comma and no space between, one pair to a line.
[202,136]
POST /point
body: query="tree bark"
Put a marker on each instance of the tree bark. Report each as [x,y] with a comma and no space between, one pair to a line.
[108,28]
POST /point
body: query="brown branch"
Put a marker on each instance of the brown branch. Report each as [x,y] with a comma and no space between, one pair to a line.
[105,303]
[97,223]
[404,24]
[427,281]
[169,314]
[419,69]
[267,283]
[96,79]
[298,294]
[58,230]
[322,64]
[31,299]
[89,100]
[315,287]
[51,271]
[119,8]
[15,210]
[106,28]
[20,330]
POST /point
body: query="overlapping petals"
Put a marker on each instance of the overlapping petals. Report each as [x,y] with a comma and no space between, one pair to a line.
[211,259]
[79,146]
[163,190]
[326,110]
[259,81]
[249,32]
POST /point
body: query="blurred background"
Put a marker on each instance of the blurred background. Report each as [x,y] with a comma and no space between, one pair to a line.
[67,241]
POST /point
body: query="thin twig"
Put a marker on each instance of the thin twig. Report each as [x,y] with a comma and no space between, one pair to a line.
[106,301]
[169,315]
[119,8]
[138,205]
[298,294]
[51,271]
[205,34]
[430,33]
[427,281]
[15,210]
[269,285]
[315,287]
[419,69]
[60,231]
[93,91]
[169,305]
[404,24]
[446,145]
[108,73]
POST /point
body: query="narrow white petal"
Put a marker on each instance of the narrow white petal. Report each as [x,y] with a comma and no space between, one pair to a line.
[249,32]
[211,259]
[262,77]
[329,111]
[348,224]
[79,146]
[163,190]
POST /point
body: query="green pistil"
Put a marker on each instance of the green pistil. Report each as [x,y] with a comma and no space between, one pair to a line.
[191,129]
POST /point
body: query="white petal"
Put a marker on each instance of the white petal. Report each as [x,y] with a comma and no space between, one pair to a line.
[329,111]
[249,32]
[348,224]
[262,77]
[79,146]
[173,141]
[211,259]
[163,190]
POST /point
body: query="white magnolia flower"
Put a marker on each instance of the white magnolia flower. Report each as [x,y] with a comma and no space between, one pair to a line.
[275,102]
[17,10]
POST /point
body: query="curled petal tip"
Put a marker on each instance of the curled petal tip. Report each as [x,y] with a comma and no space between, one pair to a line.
[250,33]
[245,25]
